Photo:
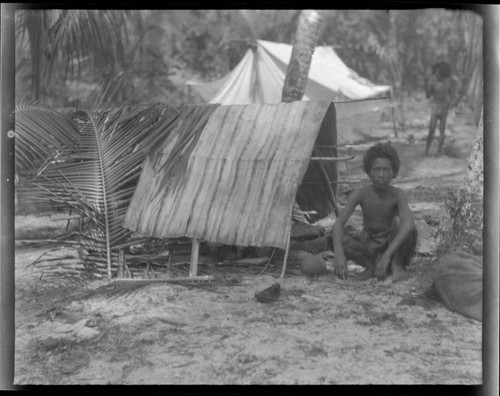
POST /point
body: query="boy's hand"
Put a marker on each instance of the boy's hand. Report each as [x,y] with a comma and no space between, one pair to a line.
[381,267]
[340,267]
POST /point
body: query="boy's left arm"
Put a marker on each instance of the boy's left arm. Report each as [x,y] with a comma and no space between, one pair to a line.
[453,92]
[404,230]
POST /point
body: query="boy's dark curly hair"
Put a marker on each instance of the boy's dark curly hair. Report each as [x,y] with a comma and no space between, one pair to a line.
[381,150]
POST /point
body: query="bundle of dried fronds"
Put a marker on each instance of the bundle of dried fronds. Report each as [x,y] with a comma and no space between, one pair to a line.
[60,267]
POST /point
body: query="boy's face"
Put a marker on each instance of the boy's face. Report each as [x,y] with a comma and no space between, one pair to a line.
[381,172]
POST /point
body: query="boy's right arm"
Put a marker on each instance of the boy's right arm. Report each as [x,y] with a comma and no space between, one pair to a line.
[340,267]
[453,92]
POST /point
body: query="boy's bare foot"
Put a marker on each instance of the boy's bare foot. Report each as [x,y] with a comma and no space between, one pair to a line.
[398,272]
[366,274]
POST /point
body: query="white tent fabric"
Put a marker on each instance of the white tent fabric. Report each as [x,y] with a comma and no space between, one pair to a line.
[260,75]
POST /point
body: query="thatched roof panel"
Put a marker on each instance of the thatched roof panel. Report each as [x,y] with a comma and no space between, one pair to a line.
[231,179]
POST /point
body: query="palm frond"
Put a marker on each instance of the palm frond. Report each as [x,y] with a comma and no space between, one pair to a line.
[42,135]
[97,177]
[80,37]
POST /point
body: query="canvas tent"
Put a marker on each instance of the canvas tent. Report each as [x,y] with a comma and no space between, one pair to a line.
[231,174]
[260,75]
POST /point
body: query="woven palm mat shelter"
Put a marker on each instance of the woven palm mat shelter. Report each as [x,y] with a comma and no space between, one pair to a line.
[231,174]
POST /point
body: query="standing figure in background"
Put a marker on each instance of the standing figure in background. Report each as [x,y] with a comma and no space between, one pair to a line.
[440,89]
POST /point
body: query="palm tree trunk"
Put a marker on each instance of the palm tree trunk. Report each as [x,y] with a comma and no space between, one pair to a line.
[308,32]
[35,34]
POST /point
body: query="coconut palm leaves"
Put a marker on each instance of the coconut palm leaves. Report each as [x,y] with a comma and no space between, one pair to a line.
[89,162]
[42,136]
[61,42]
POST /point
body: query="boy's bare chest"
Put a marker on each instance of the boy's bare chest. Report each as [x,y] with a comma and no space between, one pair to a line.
[441,90]
[379,205]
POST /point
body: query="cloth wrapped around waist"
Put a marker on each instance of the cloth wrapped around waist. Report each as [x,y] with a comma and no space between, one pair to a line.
[375,243]
[439,108]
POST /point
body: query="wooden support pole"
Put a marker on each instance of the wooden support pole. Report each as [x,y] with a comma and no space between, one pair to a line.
[394,124]
[332,159]
[287,248]
[193,267]
[283,270]
[121,259]
[330,191]
[329,186]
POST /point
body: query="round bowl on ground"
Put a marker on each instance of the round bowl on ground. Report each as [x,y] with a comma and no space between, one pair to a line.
[313,265]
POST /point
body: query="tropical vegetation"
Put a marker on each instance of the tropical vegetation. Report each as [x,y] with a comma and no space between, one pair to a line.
[69,54]
[92,86]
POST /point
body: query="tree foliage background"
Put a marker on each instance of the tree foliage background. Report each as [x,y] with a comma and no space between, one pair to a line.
[92,84]
[63,58]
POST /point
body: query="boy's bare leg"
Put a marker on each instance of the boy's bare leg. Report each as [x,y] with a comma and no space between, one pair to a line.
[397,262]
[368,273]
[354,251]
[441,137]
[398,271]
[430,135]
[428,142]
[441,144]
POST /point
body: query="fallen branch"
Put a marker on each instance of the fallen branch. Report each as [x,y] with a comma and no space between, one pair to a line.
[43,254]
[246,261]
[416,355]
[413,354]
[311,298]
[44,241]
[203,278]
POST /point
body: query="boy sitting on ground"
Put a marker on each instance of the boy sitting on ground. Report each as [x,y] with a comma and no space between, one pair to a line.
[389,237]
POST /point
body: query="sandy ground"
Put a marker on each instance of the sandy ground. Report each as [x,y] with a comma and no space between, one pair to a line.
[320,331]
